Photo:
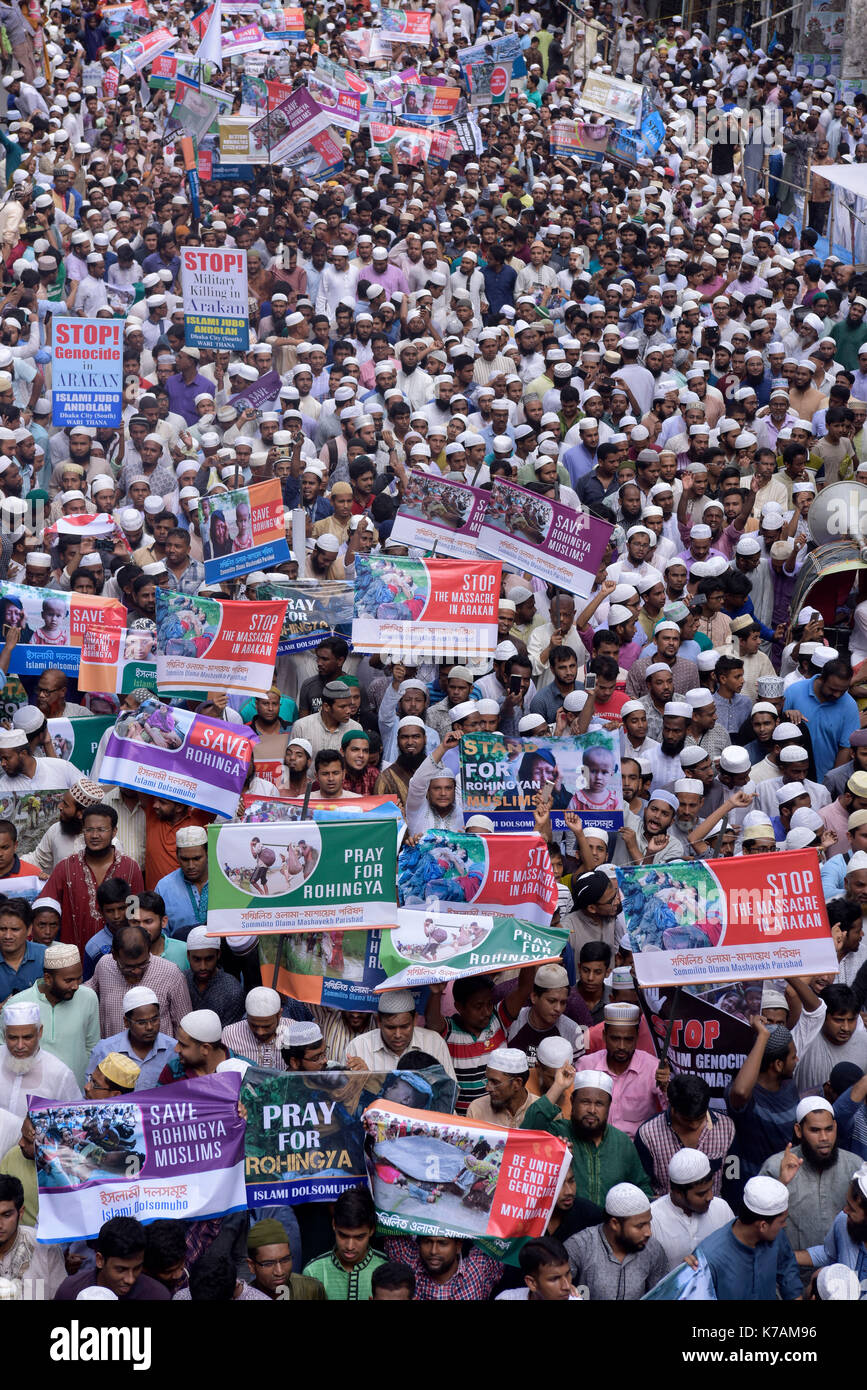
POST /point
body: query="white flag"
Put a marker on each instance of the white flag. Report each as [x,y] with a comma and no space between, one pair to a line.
[210,48]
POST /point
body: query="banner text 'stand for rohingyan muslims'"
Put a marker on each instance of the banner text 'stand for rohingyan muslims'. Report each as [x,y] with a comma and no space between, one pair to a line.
[174,753]
[501,777]
[544,538]
[728,919]
[416,610]
[435,1174]
[305,1138]
[209,644]
[177,1151]
[302,876]
[435,512]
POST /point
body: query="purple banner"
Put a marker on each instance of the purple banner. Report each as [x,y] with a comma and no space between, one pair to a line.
[177,1152]
[548,540]
[438,514]
[258,392]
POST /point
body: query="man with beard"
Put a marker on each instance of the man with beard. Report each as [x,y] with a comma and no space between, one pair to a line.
[817,1173]
[846,1241]
[24,1066]
[750,1258]
[838,1040]
[64,836]
[619,1260]
[647,840]
[638,1079]
[411,753]
[602,1156]
[665,760]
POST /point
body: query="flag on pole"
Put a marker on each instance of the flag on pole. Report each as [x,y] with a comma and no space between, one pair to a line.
[210,48]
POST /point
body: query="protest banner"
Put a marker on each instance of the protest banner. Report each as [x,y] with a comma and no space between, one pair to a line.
[578,140]
[488,68]
[269,810]
[727,919]
[234,143]
[212,644]
[422,609]
[305,1139]
[136,56]
[342,79]
[97,526]
[87,357]
[116,660]
[76,740]
[337,969]
[436,514]
[343,108]
[433,947]
[173,753]
[52,625]
[302,876]
[625,145]
[683,1284]
[359,45]
[242,531]
[30,813]
[405,26]
[288,24]
[553,542]
[163,73]
[429,105]
[216,299]
[499,874]
[258,94]
[435,1174]
[296,133]
[501,777]
[177,1151]
[254,396]
[652,132]
[444,147]
[247,39]
[706,1040]
[193,110]
[400,144]
[315,608]
[612,96]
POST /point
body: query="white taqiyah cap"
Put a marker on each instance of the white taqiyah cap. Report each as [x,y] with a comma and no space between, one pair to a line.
[625,1199]
[766,1197]
[203,1025]
[262,1002]
[593,1080]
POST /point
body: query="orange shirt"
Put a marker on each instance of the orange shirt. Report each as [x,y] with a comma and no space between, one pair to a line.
[160,836]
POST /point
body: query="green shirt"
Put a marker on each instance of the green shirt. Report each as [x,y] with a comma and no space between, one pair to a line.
[343,1285]
[70,1031]
[13,1164]
[848,340]
[597,1167]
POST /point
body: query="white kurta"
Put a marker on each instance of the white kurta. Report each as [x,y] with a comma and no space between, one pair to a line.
[49,1078]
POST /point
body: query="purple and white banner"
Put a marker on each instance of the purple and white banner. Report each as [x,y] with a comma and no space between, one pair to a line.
[437,513]
[177,1152]
[170,752]
[544,538]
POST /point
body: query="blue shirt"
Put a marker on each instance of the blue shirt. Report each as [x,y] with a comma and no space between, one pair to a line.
[28,972]
[763,1127]
[732,713]
[94,949]
[182,909]
[830,722]
[499,287]
[182,396]
[151,1066]
[851,1117]
[840,1248]
[741,1273]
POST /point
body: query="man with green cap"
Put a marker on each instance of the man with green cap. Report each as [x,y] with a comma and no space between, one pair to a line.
[270,1261]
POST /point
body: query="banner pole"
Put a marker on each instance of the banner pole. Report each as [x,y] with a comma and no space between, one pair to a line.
[666,1042]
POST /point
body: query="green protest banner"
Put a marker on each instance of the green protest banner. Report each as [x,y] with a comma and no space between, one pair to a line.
[76,740]
[302,876]
[427,948]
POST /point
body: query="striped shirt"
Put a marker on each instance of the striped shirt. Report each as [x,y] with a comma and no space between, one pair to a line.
[469,1053]
[336,1032]
[244,1043]
[164,978]
[657,1143]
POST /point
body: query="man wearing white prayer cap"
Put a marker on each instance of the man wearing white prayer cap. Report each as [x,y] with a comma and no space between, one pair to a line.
[689,1211]
[199,1047]
[638,1079]
[303,1045]
[506,1099]
[837,1283]
[396,1033]
[141,1040]
[551,1054]
[750,1259]
[255,1036]
[69,1014]
[208,984]
[816,1172]
[619,1260]
[25,1066]
[601,1155]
